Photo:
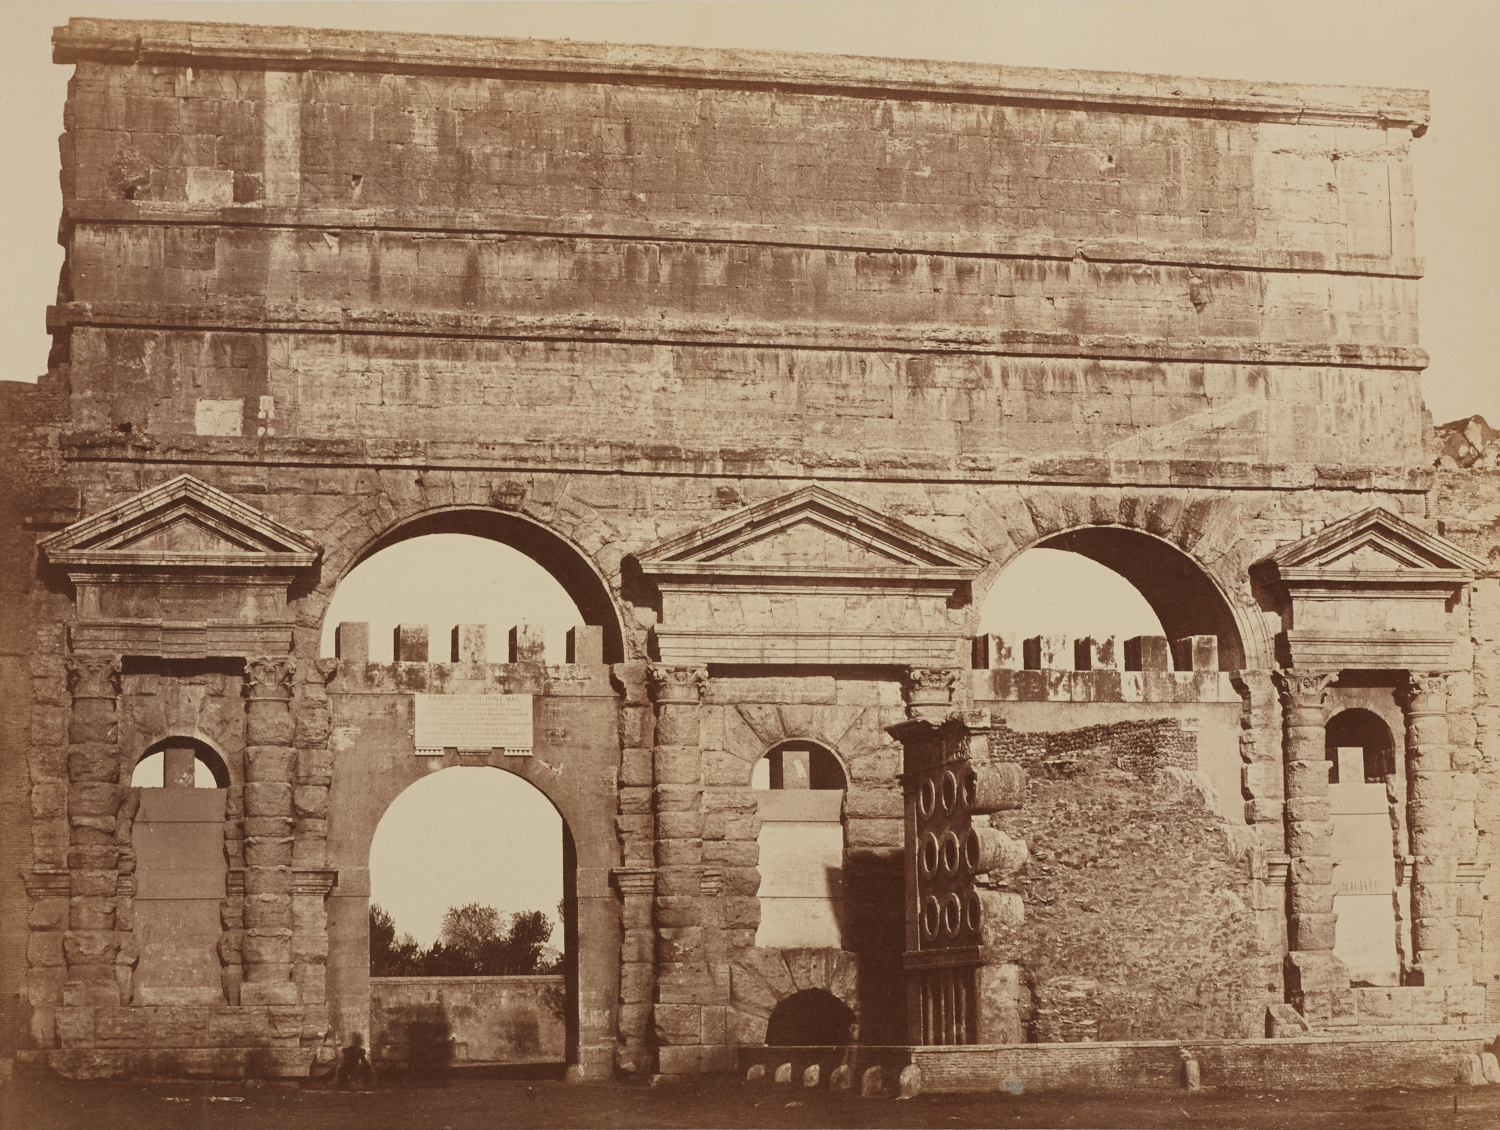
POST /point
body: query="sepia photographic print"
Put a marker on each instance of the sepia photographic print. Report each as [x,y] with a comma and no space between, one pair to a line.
[750,564]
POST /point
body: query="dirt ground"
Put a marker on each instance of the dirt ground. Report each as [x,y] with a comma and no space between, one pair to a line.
[459,1103]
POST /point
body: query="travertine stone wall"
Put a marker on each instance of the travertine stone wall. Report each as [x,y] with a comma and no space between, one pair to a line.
[597,298]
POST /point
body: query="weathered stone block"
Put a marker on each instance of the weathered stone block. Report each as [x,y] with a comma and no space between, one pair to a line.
[677,912]
[268,798]
[678,825]
[268,763]
[268,723]
[48,914]
[90,947]
[1311,931]
[93,799]
[268,826]
[678,799]
[678,764]
[94,762]
[678,726]
[635,800]
[100,883]
[44,948]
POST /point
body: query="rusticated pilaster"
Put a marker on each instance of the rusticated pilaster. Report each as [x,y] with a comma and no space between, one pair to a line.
[1314,975]
[1431,798]
[269,766]
[93,946]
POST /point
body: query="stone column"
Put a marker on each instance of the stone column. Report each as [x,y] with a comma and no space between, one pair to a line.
[1430,804]
[683,983]
[1316,981]
[91,945]
[269,763]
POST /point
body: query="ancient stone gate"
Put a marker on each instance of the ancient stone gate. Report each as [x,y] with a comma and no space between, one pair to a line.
[774,362]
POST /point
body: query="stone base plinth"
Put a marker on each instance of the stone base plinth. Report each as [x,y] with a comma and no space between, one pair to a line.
[1309,1063]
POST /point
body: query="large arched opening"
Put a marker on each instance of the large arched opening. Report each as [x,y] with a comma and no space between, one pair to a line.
[457,695]
[536,552]
[1182,596]
[473,925]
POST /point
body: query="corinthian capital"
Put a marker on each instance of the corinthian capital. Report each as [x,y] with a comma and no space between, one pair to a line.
[676,684]
[1423,693]
[270,677]
[1302,689]
[93,676]
[928,685]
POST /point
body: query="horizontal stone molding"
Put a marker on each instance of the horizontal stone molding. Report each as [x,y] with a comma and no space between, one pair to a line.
[177,640]
[418,220]
[315,881]
[861,648]
[319,318]
[296,49]
[1069,470]
[42,883]
[1338,650]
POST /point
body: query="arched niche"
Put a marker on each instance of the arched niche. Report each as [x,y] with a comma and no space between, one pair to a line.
[186,755]
[180,877]
[799,788]
[1357,728]
[1186,600]
[1361,751]
[799,764]
[566,563]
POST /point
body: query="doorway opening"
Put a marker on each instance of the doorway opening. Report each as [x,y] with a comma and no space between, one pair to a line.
[1367,897]
[473,925]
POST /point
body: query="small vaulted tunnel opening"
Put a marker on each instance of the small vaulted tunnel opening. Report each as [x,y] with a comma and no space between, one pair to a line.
[810,1018]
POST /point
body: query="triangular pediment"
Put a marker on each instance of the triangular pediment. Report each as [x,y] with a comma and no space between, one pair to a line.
[1375,541]
[184,523]
[812,533]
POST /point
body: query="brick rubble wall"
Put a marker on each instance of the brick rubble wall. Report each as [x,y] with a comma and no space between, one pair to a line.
[1139,910]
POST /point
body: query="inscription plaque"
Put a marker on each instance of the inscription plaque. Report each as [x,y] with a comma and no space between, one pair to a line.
[473,721]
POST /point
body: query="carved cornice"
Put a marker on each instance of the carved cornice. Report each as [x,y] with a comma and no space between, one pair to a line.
[669,684]
[93,676]
[634,880]
[183,526]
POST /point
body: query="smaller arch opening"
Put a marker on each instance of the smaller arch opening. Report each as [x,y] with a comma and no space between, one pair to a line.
[180,763]
[1360,729]
[799,765]
[810,1018]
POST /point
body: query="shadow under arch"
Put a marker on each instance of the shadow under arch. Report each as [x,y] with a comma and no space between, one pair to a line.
[1185,598]
[570,949]
[568,565]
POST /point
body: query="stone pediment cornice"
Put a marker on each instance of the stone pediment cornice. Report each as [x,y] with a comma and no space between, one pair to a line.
[183,525]
[1373,549]
[871,549]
